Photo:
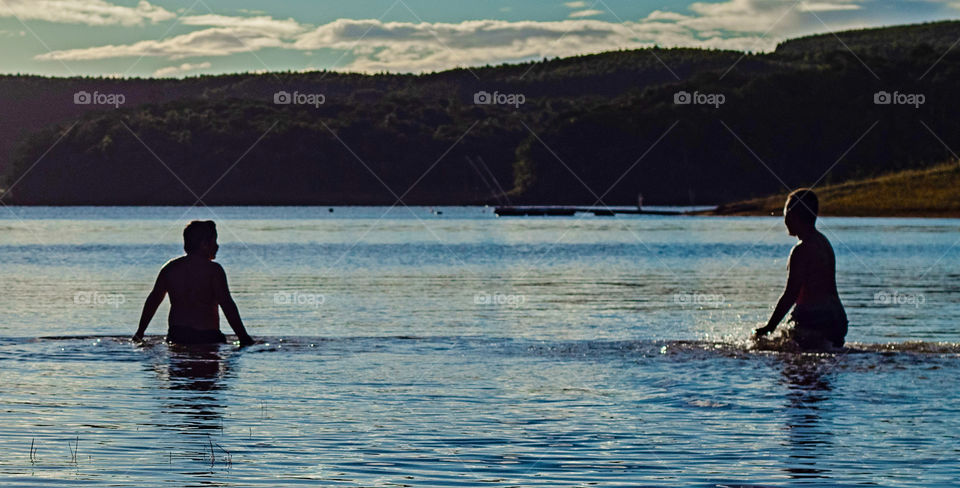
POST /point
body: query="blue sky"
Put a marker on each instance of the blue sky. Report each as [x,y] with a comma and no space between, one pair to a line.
[188,37]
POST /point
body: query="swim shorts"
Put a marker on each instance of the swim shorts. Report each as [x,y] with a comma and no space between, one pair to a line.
[815,328]
[186,335]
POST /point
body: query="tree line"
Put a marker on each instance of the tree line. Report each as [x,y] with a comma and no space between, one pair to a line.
[680,126]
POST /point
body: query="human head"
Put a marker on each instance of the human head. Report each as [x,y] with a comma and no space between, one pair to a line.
[800,211]
[200,237]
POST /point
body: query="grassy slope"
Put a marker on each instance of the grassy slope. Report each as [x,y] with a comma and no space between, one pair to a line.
[930,192]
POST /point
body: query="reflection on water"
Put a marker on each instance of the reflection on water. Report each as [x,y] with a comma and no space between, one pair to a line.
[195,378]
[432,411]
[808,392]
[404,368]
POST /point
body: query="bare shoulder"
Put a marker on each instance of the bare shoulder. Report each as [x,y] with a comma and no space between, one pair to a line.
[216,269]
[172,264]
[799,253]
[824,241]
[799,249]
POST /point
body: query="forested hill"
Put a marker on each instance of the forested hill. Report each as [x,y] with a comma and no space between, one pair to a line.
[591,128]
[894,41]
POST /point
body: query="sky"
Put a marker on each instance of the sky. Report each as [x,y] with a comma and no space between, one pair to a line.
[177,38]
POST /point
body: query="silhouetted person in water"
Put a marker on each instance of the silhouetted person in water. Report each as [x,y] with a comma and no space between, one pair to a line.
[819,318]
[197,286]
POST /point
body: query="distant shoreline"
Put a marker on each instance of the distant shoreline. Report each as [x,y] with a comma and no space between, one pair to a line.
[932,192]
[750,208]
[905,214]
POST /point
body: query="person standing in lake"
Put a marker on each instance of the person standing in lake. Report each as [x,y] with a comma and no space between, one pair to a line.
[818,317]
[197,286]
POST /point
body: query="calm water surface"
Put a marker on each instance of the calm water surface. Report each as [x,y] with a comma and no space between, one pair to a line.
[448,347]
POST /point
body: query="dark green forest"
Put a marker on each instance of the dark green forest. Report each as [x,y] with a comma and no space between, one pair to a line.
[595,129]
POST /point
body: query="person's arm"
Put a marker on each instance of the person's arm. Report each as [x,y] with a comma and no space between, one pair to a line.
[154,299]
[795,267]
[229,307]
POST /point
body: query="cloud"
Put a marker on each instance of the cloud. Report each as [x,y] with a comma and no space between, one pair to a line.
[585,13]
[469,34]
[372,45]
[827,6]
[669,16]
[751,25]
[782,18]
[171,71]
[263,24]
[739,15]
[418,47]
[223,35]
[217,41]
[89,12]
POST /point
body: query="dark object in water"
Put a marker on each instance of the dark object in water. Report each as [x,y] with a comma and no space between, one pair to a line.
[818,329]
[535,211]
[793,341]
[182,335]
[521,210]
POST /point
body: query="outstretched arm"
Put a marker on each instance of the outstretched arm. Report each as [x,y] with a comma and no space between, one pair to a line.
[789,296]
[154,299]
[230,308]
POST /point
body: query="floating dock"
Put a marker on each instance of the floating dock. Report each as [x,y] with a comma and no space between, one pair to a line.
[565,211]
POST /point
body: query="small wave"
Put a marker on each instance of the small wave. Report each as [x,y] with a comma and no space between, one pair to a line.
[583,348]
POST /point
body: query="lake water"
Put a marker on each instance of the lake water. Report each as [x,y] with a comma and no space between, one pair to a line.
[416,346]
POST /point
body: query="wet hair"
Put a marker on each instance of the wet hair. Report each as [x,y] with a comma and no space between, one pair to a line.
[198,232]
[804,204]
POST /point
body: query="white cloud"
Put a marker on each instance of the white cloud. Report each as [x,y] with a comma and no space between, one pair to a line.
[827,6]
[89,12]
[223,36]
[216,41]
[763,18]
[469,34]
[170,71]
[400,46]
[753,25]
[585,13]
[740,15]
[266,25]
[661,15]
[373,45]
